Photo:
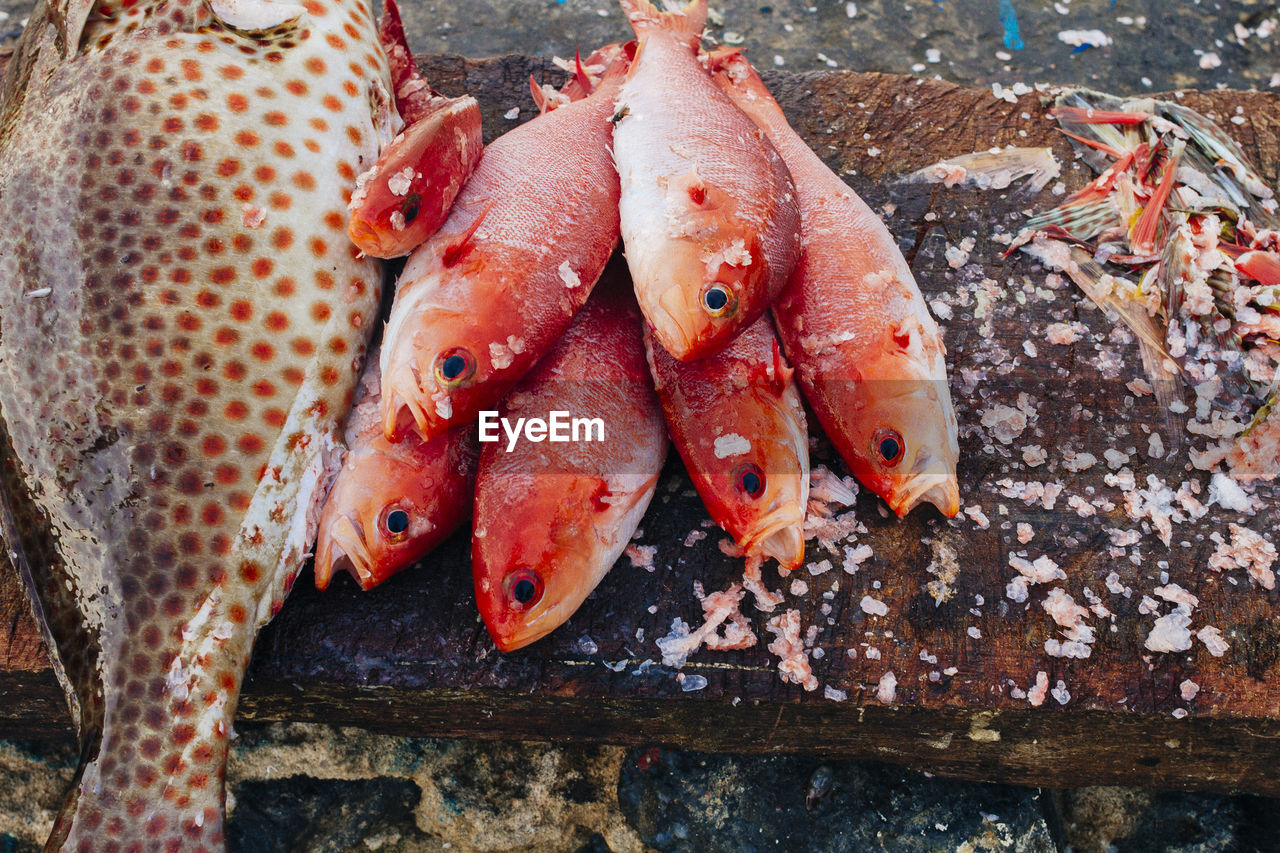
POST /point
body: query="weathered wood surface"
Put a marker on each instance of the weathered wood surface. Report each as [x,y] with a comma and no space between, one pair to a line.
[413,657]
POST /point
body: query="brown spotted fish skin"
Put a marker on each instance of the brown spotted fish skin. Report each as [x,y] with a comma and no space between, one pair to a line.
[182,321]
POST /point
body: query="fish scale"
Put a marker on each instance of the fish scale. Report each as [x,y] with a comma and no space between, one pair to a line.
[182,319]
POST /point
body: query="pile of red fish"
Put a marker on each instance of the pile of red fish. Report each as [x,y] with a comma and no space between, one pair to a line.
[758,274]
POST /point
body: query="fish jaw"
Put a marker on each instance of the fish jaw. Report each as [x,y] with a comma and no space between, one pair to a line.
[406,196]
[931,480]
[342,547]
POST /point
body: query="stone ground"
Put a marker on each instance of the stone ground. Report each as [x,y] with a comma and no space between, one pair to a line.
[315,788]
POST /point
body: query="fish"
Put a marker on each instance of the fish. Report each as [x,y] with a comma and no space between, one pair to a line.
[391,504]
[708,209]
[405,196]
[739,424]
[551,519]
[869,358]
[482,300]
[182,325]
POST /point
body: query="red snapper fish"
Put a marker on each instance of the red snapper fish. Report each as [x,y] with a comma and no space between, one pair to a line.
[737,420]
[708,210]
[481,301]
[182,322]
[392,503]
[867,354]
[404,197]
[552,518]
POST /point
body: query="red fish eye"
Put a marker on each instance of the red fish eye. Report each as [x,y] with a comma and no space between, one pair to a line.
[889,445]
[455,366]
[411,208]
[523,588]
[394,523]
[749,479]
[718,300]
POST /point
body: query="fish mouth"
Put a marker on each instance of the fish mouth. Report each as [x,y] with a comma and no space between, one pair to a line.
[344,549]
[667,328]
[780,535]
[370,241]
[931,481]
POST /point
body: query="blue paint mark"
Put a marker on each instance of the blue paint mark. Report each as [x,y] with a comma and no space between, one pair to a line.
[1009,17]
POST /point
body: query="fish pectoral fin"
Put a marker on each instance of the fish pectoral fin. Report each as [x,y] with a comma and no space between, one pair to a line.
[258,17]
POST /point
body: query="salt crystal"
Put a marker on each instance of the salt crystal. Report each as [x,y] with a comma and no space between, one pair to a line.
[1060,692]
[1034,455]
[1061,334]
[1213,641]
[1170,632]
[689,683]
[1004,422]
[833,694]
[1176,594]
[1189,690]
[512,114]
[1025,532]
[1115,459]
[873,607]
[886,692]
[1041,689]
[974,633]
[799,587]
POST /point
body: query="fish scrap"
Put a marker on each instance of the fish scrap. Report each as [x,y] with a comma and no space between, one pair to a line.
[1177,236]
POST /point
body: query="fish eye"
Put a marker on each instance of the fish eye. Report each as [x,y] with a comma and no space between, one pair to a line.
[394,523]
[749,479]
[411,208]
[718,300]
[523,588]
[889,445]
[455,366]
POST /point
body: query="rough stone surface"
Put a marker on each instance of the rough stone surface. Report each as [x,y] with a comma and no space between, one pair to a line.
[693,801]
[1127,820]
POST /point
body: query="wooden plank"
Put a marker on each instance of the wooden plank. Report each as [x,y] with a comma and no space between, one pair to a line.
[413,657]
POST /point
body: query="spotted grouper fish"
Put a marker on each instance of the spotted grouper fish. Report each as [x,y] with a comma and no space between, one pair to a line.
[182,321]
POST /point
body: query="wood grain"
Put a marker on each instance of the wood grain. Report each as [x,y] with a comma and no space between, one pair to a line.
[412,657]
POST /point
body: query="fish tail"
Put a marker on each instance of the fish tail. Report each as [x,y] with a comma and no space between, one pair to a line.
[688,20]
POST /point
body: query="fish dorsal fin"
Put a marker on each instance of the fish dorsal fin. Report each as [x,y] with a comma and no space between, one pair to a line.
[413,95]
[455,251]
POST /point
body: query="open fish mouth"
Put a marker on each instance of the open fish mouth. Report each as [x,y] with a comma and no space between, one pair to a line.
[780,535]
[345,550]
[930,482]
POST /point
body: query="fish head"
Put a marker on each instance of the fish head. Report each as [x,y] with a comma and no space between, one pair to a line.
[381,513]
[706,286]
[760,489]
[406,196]
[441,366]
[538,566]
[902,426]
